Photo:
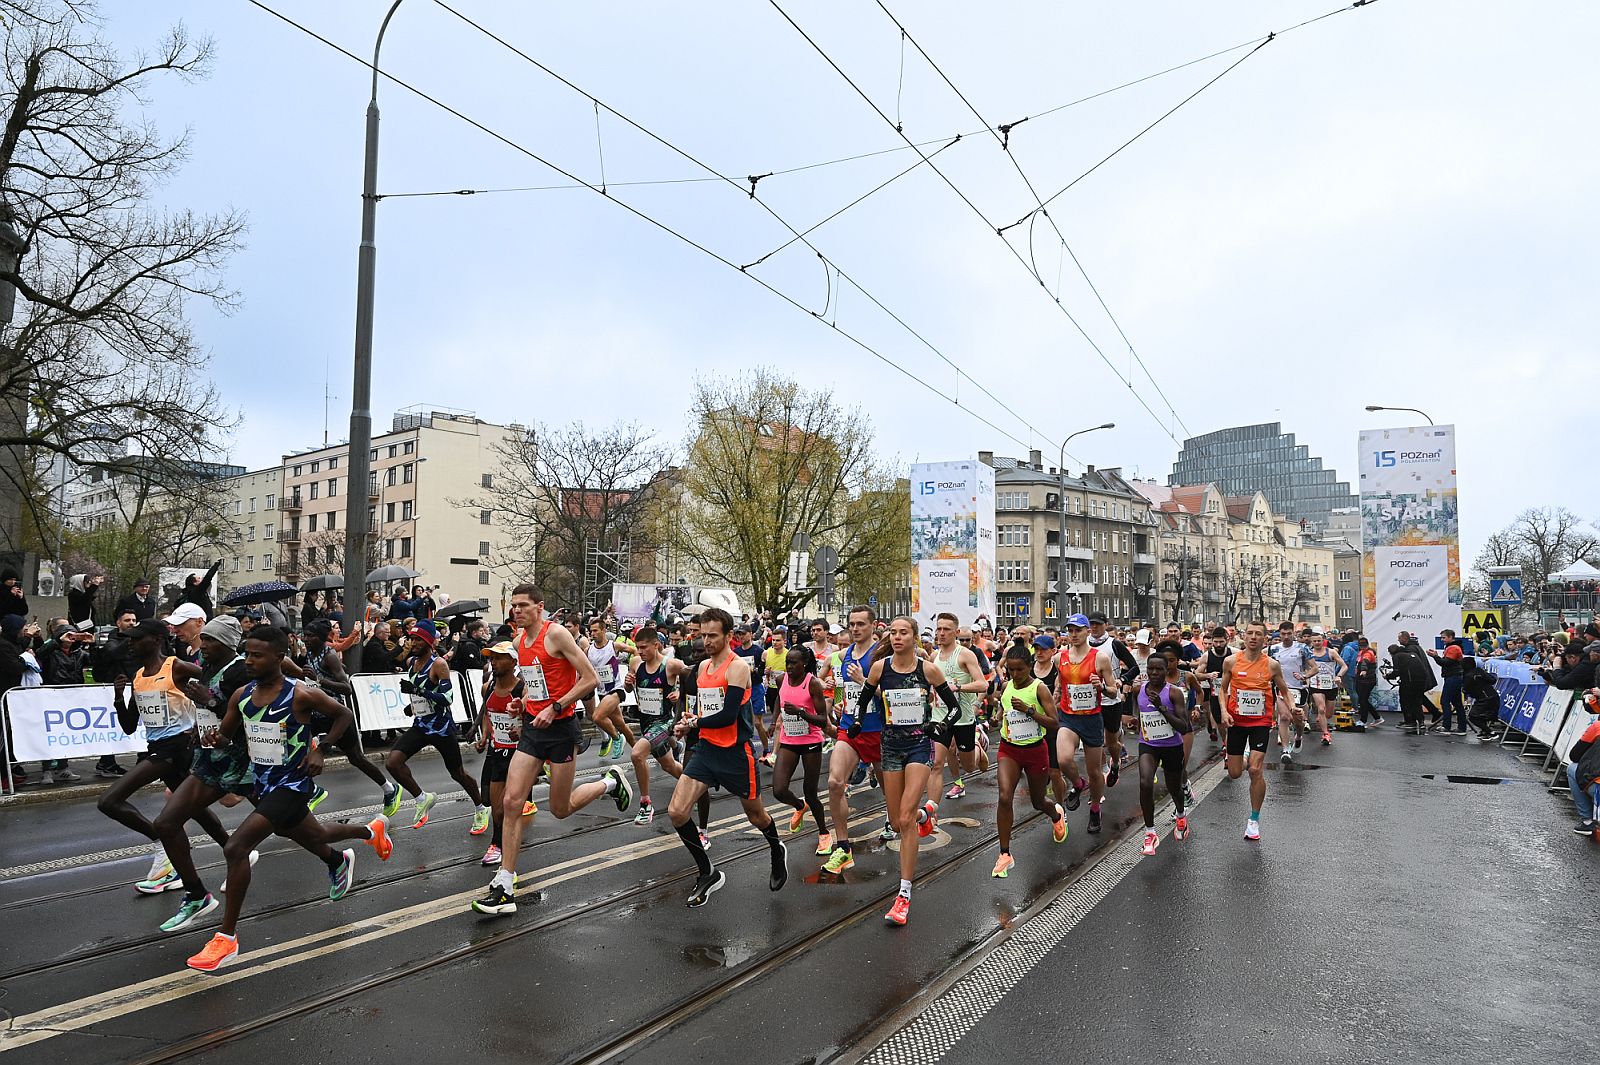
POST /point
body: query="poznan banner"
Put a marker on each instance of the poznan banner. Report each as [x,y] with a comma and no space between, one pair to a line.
[952,540]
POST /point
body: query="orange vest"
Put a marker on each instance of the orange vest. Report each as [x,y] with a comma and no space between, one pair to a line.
[1254,677]
[713,681]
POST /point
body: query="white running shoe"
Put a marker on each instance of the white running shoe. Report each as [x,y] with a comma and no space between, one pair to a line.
[1252,829]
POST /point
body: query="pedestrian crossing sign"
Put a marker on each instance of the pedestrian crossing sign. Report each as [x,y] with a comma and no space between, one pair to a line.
[1476,622]
[1506,591]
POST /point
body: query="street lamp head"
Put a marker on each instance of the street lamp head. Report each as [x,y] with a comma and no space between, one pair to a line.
[1109,425]
[1370,407]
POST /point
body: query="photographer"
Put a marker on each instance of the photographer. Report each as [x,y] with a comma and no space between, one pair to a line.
[1577,669]
[81,591]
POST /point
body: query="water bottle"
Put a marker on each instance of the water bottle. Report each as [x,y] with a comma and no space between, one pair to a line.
[88,674]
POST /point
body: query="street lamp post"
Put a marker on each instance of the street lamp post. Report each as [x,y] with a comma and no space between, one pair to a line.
[1061,546]
[1408,410]
[359,461]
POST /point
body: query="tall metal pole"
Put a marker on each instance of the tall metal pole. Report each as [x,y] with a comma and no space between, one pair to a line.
[359,461]
[1061,557]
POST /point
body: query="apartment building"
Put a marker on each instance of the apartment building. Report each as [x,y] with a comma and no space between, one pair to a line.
[1106,560]
[250,551]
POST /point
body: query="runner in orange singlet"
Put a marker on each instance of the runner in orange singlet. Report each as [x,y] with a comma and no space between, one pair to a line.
[1085,679]
[1252,688]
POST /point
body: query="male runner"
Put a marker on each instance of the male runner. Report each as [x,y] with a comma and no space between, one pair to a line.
[722,756]
[1292,658]
[960,668]
[1252,688]
[1208,672]
[864,746]
[556,676]
[427,686]
[1087,681]
[326,669]
[498,733]
[1127,669]
[1325,676]
[654,682]
[274,713]
[605,705]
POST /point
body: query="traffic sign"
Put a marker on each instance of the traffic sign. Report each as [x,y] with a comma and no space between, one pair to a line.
[1022,605]
[1474,622]
[872,600]
[1506,591]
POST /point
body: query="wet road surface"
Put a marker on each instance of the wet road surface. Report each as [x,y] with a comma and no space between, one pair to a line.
[1384,916]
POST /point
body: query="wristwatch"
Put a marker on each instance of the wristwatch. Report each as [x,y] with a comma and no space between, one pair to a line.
[556,707]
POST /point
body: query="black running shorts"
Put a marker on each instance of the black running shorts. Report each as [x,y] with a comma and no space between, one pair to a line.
[1254,736]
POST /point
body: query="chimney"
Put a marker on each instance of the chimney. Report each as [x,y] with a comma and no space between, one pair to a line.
[1036,459]
[986,457]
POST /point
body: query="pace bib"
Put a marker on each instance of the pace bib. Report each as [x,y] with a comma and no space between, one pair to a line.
[154,709]
[709,701]
[533,683]
[206,719]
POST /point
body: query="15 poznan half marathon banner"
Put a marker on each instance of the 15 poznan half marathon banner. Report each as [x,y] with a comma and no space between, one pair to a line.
[79,721]
[952,541]
[1410,533]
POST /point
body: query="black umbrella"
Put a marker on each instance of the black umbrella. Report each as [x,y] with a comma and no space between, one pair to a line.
[461,607]
[384,574]
[323,582]
[263,592]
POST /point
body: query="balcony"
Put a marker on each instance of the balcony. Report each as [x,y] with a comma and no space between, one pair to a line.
[1085,554]
[1078,588]
[290,503]
[1212,597]
[291,535]
[1143,558]
[372,488]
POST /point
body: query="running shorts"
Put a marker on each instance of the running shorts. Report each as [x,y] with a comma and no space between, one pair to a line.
[414,739]
[899,749]
[964,737]
[496,764]
[224,769]
[173,755]
[1030,758]
[733,769]
[284,808]
[868,745]
[1111,718]
[660,737]
[1091,728]
[557,744]
[1256,736]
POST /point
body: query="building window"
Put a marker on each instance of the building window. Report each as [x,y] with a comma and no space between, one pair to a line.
[388,512]
[266,561]
[373,457]
[1347,594]
[311,523]
[488,480]
[486,517]
[235,566]
[238,507]
[393,450]
[483,549]
[295,472]
[333,487]
[391,476]
[333,463]
[249,563]
[315,485]
[410,446]
[405,510]
[483,576]
[250,534]
[388,549]
[1012,536]
[267,533]
[328,554]
[333,520]
[410,471]
[272,500]
[1344,575]
[252,504]
[405,547]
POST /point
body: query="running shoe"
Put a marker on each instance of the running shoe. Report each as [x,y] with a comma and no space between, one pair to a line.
[824,844]
[391,799]
[900,912]
[1058,830]
[706,886]
[623,795]
[66,776]
[1188,796]
[1112,774]
[930,820]
[255,856]
[491,856]
[529,808]
[316,797]
[1151,842]
[340,879]
[159,865]
[1299,740]
[887,832]
[780,868]
[1074,797]
[797,819]
[1327,739]
[839,861]
[497,903]
[545,772]
[379,840]
[190,912]
[957,790]
[109,772]
[1211,734]
[1180,831]
[769,759]
[1287,756]
[585,741]
[1094,820]
[1002,866]
[1586,828]
[705,840]
[480,821]
[220,951]
[1252,829]
[827,746]
[170,881]
[646,814]
[424,803]
[858,774]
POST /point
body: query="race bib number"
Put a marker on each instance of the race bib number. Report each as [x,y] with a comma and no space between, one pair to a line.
[1153,725]
[605,674]
[154,710]
[852,696]
[905,705]
[1251,704]
[709,701]
[1325,675]
[420,707]
[206,719]
[501,725]
[533,683]
[267,742]
[651,701]
[795,727]
[1083,698]
[1022,727]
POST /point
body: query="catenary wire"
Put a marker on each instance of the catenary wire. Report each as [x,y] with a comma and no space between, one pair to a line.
[642,216]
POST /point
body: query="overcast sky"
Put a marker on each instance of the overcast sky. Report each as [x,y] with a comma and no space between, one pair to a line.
[1393,205]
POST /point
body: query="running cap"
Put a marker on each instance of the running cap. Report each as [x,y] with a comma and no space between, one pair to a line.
[1096,617]
[185,612]
[1045,640]
[1077,621]
[504,647]
[1142,638]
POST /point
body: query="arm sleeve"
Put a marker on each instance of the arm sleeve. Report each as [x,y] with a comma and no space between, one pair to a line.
[732,702]
[948,697]
[869,691]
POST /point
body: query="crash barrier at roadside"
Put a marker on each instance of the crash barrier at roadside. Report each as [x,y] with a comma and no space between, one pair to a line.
[1541,722]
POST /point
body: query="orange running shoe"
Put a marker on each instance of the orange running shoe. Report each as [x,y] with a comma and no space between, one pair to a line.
[929,823]
[1002,866]
[529,808]
[380,841]
[1058,830]
[221,951]
[797,820]
[824,844]
[900,912]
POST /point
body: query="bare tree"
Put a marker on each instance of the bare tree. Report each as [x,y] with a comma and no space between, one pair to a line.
[104,353]
[564,493]
[1548,539]
[770,461]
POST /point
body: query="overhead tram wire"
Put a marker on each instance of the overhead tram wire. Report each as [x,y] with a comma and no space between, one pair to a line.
[1005,146]
[976,210]
[751,193]
[662,226]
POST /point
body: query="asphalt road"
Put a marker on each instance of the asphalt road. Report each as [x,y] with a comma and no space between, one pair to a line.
[1384,916]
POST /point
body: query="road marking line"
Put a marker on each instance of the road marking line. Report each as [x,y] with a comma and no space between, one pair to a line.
[131,998]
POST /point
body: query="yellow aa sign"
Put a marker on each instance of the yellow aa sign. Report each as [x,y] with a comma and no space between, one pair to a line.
[1475,621]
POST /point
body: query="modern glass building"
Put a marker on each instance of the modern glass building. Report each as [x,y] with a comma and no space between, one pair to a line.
[1264,458]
